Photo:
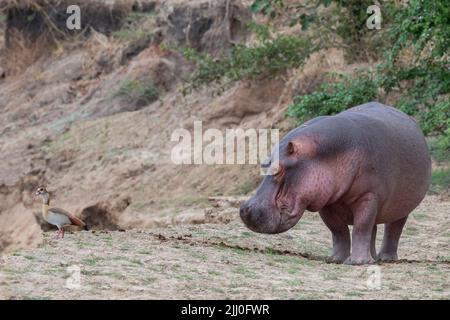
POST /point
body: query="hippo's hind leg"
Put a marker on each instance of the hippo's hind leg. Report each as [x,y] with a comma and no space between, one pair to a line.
[392,233]
[340,233]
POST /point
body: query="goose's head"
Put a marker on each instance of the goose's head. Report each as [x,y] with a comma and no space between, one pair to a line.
[43,193]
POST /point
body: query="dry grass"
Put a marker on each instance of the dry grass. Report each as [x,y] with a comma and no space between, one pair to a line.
[229,261]
[24,47]
[21,53]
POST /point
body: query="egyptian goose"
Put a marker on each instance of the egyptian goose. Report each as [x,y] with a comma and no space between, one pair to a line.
[56,216]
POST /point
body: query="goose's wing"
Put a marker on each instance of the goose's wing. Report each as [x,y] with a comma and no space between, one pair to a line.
[74,220]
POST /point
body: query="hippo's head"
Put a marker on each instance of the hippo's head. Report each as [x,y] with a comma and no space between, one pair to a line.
[286,190]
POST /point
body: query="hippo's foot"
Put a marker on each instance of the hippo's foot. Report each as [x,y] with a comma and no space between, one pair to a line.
[359,261]
[387,257]
[337,258]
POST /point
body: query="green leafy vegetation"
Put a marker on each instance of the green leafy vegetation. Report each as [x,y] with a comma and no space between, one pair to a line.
[267,7]
[127,34]
[422,30]
[440,180]
[133,28]
[270,56]
[332,98]
[411,50]
[334,23]
[137,91]
[443,145]
[421,82]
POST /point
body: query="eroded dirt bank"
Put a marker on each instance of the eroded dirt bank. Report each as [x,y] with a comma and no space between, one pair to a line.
[91,116]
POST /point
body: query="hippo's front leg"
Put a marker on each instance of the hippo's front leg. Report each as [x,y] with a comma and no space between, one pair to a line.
[332,217]
[364,216]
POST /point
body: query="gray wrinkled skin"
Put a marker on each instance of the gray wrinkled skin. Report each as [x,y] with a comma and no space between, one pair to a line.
[368,165]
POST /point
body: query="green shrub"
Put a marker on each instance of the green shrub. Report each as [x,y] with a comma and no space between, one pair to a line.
[443,145]
[435,119]
[332,98]
[267,7]
[440,147]
[423,25]
[423,29]
[268,58]
[126,34]
[137,92]
[132,28]
[422,82]
[335,23]
[348,21]
[440,180]
[444,142]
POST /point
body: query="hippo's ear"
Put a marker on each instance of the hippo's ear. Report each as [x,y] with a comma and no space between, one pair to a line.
[304,147]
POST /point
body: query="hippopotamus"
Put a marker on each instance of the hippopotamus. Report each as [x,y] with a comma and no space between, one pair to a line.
[365,166]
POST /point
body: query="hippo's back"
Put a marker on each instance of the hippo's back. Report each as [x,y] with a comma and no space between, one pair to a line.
[387,130]
[373,112]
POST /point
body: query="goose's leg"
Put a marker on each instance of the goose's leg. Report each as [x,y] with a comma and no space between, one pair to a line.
[58,233]
[62,230]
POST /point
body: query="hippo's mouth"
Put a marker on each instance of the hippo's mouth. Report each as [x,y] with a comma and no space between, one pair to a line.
[289,217]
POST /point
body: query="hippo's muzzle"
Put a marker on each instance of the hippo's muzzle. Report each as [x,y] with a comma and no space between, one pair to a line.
[257,219]
[261,218]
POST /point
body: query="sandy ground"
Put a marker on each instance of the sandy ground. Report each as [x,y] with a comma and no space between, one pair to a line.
[211,261]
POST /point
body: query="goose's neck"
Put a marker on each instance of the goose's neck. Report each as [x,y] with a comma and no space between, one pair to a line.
[45,200]
[45,205]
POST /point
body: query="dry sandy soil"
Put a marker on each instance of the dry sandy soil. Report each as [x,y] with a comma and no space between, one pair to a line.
[228,261]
